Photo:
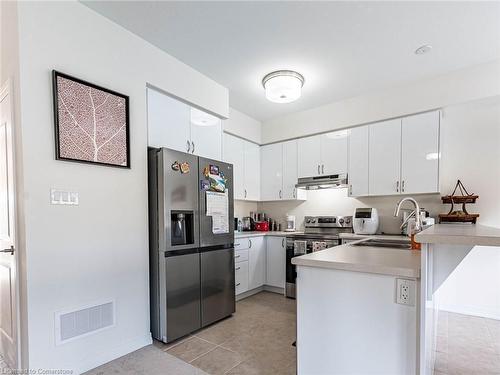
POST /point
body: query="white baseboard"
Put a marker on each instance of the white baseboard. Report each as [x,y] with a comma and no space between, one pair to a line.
[125,347]
[471,310]
[267,288]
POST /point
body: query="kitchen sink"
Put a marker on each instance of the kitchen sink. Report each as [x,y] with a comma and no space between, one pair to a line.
[391,243]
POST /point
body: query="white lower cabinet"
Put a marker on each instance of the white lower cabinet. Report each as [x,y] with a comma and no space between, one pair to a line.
[276,261]
[256,262]
[241,277]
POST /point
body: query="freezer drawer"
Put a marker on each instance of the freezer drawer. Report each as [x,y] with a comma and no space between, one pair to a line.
[183,294]
[217,285]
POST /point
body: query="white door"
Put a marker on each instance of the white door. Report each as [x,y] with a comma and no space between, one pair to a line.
[168,122]
[276,261]
[358,161]
[256,262]
[385,157]
[8,276]
[334,152]
[252,171]
[271,171]
[290,169]
[309,156]
[420,153]
[233,153]
[206,135]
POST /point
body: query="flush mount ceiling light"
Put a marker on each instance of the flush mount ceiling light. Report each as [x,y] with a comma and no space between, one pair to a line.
[283,86]
[423,49]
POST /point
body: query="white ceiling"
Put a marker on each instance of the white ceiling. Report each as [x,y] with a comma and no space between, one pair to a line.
[343,49]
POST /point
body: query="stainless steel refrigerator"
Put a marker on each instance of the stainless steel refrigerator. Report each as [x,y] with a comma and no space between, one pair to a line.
[191,267]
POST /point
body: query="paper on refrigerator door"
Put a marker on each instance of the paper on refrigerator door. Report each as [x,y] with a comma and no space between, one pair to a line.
[218,208]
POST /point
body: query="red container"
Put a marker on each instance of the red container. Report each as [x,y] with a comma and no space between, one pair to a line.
[262,226]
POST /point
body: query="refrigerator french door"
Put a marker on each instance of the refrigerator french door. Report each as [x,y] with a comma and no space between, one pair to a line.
[191,282]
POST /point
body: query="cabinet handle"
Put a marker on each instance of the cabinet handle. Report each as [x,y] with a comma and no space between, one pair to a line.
[322,169]
[250,244]
[294,192]
[245,193]
[237,268]
[403,186]
[280,195]
[237,256]
[188,146]
[237,244]
[318,169]
[282,242]
[192,151]
[238,284]
[397,186]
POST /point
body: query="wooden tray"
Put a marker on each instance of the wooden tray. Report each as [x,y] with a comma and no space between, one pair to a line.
[450,218]
[449,199]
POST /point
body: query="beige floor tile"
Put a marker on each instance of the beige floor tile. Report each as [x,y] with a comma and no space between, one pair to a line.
[217,361]
[191,349]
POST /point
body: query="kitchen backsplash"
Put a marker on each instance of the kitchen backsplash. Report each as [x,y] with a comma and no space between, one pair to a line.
[337,202]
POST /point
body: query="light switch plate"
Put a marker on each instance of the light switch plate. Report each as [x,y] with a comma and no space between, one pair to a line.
[64,197]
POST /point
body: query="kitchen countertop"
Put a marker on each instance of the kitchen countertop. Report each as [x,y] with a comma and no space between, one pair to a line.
[269,233]
[460,234]
[368,259]
[354,236]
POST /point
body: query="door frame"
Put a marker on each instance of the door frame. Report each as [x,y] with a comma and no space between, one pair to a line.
[7,89]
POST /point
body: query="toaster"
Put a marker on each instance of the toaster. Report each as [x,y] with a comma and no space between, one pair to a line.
[365,221]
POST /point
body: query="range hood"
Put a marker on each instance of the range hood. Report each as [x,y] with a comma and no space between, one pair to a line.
[333,181]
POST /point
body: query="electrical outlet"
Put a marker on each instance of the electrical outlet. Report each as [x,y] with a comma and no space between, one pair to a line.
[405,292]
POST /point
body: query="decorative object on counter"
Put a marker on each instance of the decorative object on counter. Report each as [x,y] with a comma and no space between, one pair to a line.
[290,223]
[91,123]
[463,197]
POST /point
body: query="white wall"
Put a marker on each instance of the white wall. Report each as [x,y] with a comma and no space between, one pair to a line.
[243,125]
[457,87]
[470,151]
[99,249]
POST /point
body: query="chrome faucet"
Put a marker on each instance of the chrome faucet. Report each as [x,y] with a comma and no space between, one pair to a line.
[418,219]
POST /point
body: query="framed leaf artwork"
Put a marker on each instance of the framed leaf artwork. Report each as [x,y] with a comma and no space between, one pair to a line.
[91,122]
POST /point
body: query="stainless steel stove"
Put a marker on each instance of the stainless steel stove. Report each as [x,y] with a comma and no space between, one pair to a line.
[321,232]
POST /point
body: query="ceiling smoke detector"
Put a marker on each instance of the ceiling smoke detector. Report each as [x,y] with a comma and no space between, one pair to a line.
[283,86]
[423,49]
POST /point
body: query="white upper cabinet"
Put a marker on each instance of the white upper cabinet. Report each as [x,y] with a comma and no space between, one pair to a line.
[178,126]
[206,135]
[290,172]
[309,150]
[272,172]
[358,161]
[233,153]
[168,122]
[323,154]
[420,153]
[385,157]
[334,152]
[251,171]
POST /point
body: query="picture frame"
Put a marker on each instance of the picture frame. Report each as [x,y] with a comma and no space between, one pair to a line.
[91,123]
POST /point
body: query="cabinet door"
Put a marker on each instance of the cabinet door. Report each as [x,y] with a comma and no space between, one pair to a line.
[206,135]
[358,161]
[168,122]
[334,152]
[290,171]
[309,156]
[256,263]
[385,157]
[241,277]
[233,153]
[276,261]
[420,153]
[251,171]
[271,172]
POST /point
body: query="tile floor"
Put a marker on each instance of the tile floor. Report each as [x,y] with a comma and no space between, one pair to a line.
[467,345]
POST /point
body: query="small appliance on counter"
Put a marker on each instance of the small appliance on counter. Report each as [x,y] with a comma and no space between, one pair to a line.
[365,221]
[248,224]
[262,226]
[290,223]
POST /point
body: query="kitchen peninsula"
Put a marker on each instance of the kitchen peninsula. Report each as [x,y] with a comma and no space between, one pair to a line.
[351,297]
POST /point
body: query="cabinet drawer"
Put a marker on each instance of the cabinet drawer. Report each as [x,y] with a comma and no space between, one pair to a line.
[242,243]
[241,277]
[240,255]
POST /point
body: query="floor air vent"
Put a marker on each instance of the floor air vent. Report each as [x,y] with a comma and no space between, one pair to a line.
[73,324]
